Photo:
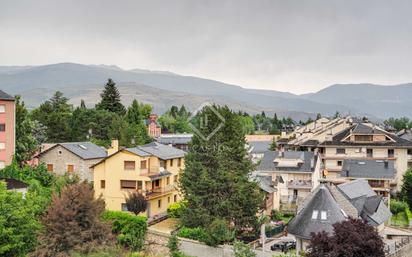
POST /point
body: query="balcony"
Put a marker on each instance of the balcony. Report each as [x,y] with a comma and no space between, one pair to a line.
[159,191]
[300,184]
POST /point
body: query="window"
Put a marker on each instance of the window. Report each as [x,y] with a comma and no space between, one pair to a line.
[363,138]
[175,198]
[409,151]
[129,165]
[2,108]
[391,153]
[167,180]
[162,164]
[168,199]
[49,167]
[323,215]
[340,150]
[179,162]
[143,165]
[102,184]
[2,146]
[369,153]
[127,184]
[171,162]
[124,207]
[139,185]
[159,203]
[70,168]
[2,127]
[156,183]
[315,214]
[59,152]
[2,164]
[175,179]
[339,163]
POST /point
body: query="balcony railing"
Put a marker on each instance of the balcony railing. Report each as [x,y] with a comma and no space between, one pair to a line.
[303,184]
[291,199]
[154,192]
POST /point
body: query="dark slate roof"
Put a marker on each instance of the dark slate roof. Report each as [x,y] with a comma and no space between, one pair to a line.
[137,151]
[360,128]
[161,174]
[175,139]
[85,150]
[265,182]
[405,134]
[311,142]
[282,141]
[164,152]
[267,163]
[377,169]
[355,199]
[302,225]
[259,146]
[5,96]
[14,183]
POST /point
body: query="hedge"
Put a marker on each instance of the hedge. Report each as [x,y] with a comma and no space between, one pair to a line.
[130,229]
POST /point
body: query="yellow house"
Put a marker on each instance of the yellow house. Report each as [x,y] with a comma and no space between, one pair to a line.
[151,169]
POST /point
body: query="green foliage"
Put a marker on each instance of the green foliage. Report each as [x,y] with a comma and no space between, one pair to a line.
[398,206]
[175,120]
[175,210]
[198,234]
[215,181]
[218,233]
[130,229]
[406,191]
[136,203]
[18,224]
[275,215]
[273,145]
[28,173]
[26,143]
[173,245]
[399,123]
[110,99]
[248,126]
[242,250]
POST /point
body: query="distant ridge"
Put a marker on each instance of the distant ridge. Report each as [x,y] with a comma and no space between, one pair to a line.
[35,83]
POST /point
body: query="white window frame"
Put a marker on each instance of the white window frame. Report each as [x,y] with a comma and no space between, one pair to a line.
[2,108]
[323,215]
[315,214]
[2,145]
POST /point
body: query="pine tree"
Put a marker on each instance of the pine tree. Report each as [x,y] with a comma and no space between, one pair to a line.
[134,114]
[215,181]
[26,143]
[110,99]
[406,191]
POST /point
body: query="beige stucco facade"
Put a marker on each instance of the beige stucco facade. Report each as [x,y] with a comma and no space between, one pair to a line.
[160,189]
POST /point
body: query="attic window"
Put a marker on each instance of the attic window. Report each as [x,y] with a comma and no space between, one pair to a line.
[315,214]
[323,215]
[83,147]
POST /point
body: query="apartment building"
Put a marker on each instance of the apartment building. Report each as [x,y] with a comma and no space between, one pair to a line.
[153,126]
[152,169]
[7,129]
[293,174]
[180,141]
[365,143]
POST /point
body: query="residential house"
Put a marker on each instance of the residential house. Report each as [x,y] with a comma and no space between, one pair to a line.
[362,142]
[7,129]
[294,174]
[405,134]
[152,169]
[268,188]
[257,145]
[153,126]
[180,141]
[329,204]
[16,185]
[74,158]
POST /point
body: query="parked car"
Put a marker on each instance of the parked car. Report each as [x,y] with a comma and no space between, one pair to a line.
[284,246]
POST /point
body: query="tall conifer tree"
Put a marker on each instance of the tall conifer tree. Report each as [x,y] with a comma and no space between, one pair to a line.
[110,99]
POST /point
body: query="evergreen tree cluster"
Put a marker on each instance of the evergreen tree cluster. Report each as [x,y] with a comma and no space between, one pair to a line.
[271,125]
[176,120]
[109,119]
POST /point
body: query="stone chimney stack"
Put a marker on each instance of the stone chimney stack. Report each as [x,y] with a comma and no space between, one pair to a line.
[114,147]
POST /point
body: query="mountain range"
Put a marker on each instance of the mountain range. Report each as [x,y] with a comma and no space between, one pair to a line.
[163,88]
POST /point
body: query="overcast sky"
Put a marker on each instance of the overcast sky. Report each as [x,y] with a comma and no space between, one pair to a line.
[298,46]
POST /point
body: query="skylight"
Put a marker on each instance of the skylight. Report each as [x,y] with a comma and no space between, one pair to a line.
[323,215]
[315,214]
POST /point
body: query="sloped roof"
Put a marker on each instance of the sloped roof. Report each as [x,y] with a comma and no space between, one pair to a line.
[85,150]
[162,151]
[303,224]
[259,146]
[356,188]
[5,96]
[360,128]
[265,182]
[377,169]
[14,183]
[267,163]
[175,139]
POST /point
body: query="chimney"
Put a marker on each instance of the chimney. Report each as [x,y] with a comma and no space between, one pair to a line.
[114,147]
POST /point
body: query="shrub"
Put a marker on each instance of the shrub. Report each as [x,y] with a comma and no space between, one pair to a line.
[175,210]
[275,215]
[136,203]
[198,234]
[218,232]
[398,207]
[243,250]
[130,229]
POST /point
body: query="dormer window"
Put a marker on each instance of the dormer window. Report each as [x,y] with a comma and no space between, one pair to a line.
[323,215]
[364,138]
[315,214]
